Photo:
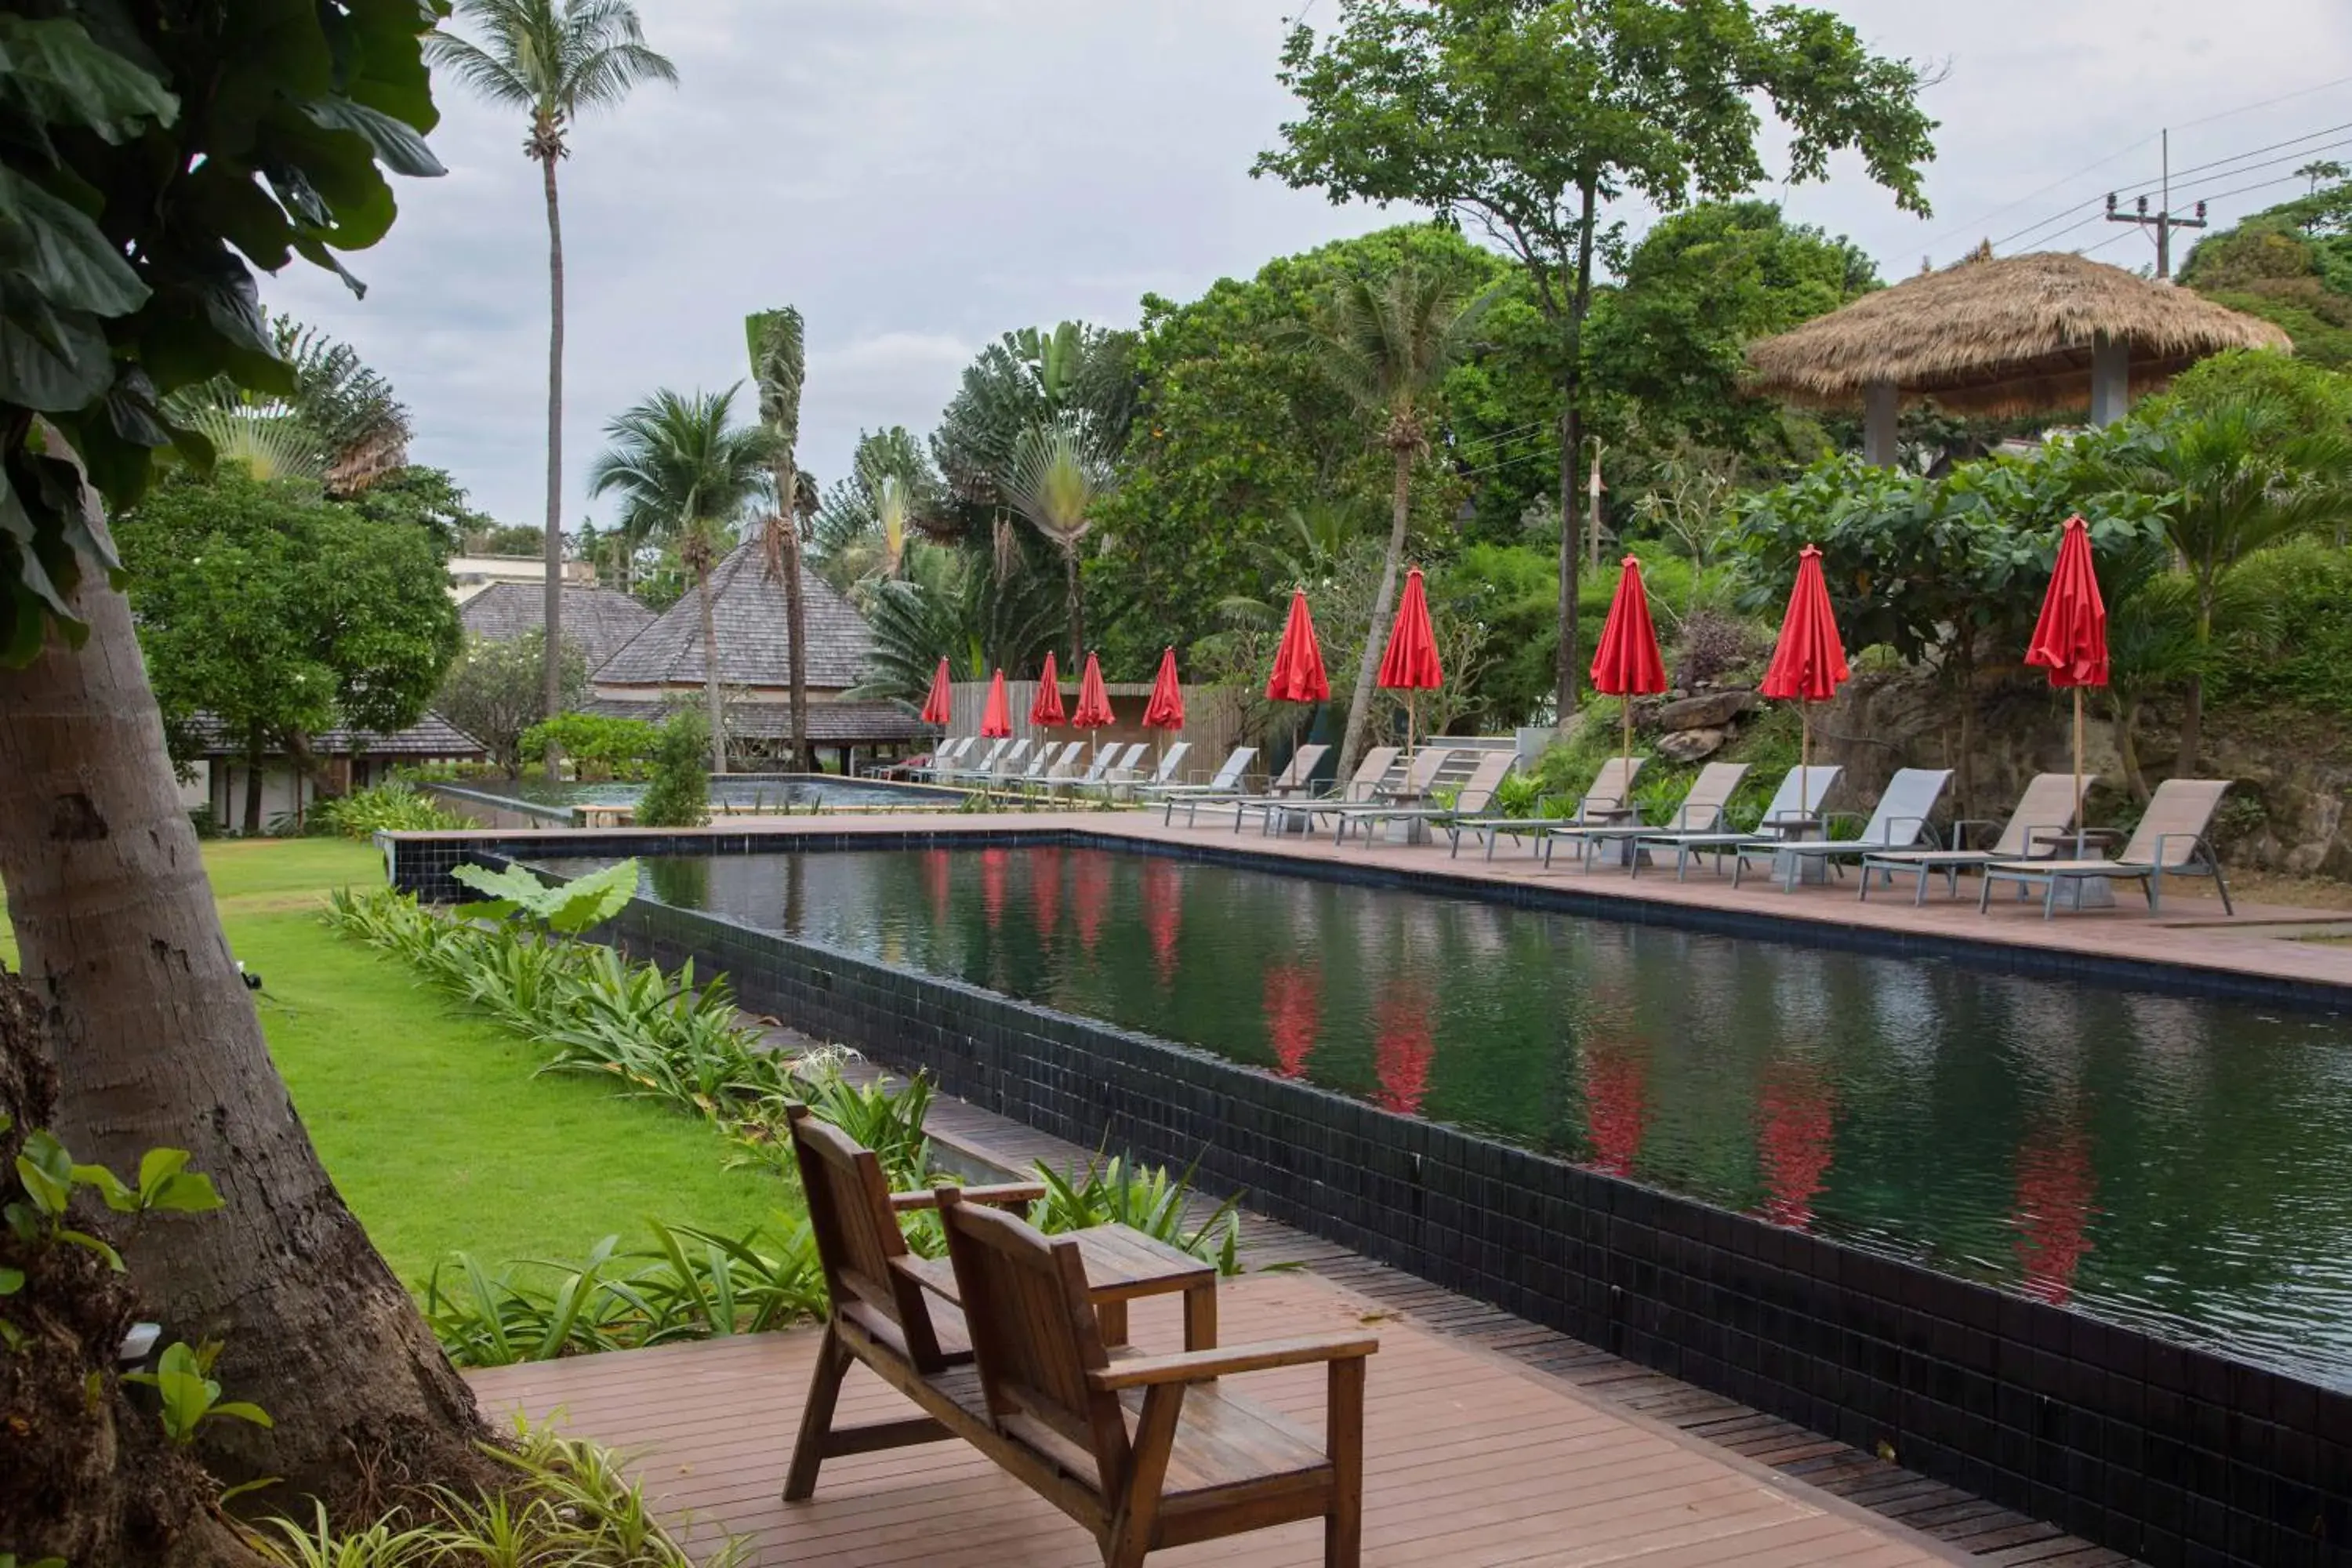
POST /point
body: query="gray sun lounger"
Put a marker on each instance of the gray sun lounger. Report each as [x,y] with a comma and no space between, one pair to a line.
[1700,811]
[1900,820]
[2045,812]
[1111,761]
[1379,764]
[1050,764]
[1610,793]
[2169,841]
[1795,807]
[1227,779]
[1477,792]
[944,760]
[1293,781]
[1420,776]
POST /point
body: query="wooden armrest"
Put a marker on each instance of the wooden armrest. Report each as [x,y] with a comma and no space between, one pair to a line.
[1000,1196]
[1199,1366]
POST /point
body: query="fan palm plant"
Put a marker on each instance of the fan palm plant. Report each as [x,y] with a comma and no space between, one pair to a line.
[686,474]
[553,60]
[947,603]
[1386,344]
[1055,481]
[779,367]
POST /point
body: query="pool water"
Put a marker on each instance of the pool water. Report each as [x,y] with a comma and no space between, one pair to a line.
[738,792]
[2179,1164]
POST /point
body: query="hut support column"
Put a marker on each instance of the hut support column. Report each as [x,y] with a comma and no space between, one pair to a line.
[1878,424]
[2110,380]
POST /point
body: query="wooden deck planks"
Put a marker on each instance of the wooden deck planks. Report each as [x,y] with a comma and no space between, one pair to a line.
[1469,1460]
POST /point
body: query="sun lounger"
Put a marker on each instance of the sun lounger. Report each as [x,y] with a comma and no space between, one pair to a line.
[1420,777]
[1226,780]
[1293,781]
[2169,841]
[1611,789]
[1110,762]
[1135,780]
[2045,812]
[975,767]
[1379,764]
[949,753]
[1901,819]
[1050,763]
[1795,809]
[1477,792]
[1701,811]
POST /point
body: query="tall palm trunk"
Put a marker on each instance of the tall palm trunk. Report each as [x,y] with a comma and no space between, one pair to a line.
[2192,712]
[713,708]
[1571,442]
[551,689]
[795,615]
[1078,606]
[1352,744]
[158,1046]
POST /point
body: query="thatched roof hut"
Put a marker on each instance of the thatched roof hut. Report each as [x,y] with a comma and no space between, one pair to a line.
[2014,334]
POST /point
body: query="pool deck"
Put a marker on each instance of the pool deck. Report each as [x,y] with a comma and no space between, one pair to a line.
[1469,1459]
[2191,934]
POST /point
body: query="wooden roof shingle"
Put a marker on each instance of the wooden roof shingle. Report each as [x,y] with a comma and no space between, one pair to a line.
[754,648]
[602,621]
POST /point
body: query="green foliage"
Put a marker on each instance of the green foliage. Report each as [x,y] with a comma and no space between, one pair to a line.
[1071,375]
[496,691]
[128,225]
[951,603]
[883,1116]
[599,747]
[1117,1191]
[182,1383]
[686,473]
[395,806]
[677,789]
[2296,652]
[565,908]
[2291,265]
[280,613]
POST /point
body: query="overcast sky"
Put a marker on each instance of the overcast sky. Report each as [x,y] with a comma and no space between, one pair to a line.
[919,175]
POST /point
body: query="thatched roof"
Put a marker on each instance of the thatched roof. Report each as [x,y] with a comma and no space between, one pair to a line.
[2005,335]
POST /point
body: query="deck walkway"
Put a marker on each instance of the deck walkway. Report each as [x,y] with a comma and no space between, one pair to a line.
[1469,1459]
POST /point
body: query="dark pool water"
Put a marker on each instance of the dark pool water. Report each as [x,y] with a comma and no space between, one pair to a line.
[2179,1164]
[798,791]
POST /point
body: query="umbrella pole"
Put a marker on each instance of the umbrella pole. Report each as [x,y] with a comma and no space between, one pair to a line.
[1628,700]
[1412,714]
[2079,823]
[1805,758]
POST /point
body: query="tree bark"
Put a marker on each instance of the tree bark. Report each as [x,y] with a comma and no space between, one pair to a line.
[1571,445]
[1077,607]
[551,689]
[795,614]
[713,706]
[253,754]
[2126,722]
[2192,712]
[1359,704]
[159,1046]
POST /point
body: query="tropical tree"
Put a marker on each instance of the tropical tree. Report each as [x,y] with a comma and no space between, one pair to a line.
[779,366]
[686,473]
[340,425]
[495,691]
[1072,374]
[111,297]
[948,604]
[1055,480]
[1527,119]
[1387,345]
[553,60]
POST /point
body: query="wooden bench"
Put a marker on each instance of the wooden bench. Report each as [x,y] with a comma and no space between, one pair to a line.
[1023,1361]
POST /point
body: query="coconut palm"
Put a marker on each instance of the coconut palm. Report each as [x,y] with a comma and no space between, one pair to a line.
[1055,481]
[553,60]
[1386,344]
[779,367]
[686,473]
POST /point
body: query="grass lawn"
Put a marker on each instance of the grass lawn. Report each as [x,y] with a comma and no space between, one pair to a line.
[428,1115]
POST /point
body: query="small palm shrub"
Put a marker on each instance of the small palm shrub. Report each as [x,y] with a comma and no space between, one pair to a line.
[395,806]
[678,784]
[1115,1191]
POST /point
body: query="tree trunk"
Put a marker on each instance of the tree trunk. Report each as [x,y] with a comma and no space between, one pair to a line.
[1572,444]
[2127,716]
[552,688]
[2192,712]
[795,614]
[1077,607]
[253,754]
[713,707]
[159,1046]
[1359,704]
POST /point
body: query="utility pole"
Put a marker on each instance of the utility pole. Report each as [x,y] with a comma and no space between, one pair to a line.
[2162,218]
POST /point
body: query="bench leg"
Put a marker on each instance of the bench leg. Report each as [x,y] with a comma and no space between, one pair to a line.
[1343,1527]
[817,1416]
[1148,1455]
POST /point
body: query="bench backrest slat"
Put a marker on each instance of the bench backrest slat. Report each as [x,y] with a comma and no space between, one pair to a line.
[856,1234]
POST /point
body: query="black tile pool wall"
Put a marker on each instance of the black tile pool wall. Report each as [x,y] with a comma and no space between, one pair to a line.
[2172,1454]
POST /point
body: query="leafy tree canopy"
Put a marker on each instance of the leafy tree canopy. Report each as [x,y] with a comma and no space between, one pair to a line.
[497,691]
[1072,373]
[430,500]
[2291,265]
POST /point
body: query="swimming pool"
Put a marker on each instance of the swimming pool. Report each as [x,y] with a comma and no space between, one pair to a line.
[2168,1162]
[753,793]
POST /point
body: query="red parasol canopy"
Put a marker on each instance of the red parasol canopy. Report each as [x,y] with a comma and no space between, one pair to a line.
[996,719]
[1046,711]
[938,708]
[2069,640]
[1299,663]
[1808,662]
[1411,662]
[1094,703]
[1626,664]
[1166,708]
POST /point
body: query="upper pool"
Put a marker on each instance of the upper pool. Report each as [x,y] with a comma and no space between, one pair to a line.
[739,793]
[2179,1164]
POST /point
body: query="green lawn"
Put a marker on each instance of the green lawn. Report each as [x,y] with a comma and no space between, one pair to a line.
[427,1116]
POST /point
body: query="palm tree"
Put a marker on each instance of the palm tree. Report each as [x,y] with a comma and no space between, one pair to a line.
[948,601]
[552,59]
[1055,481]
[340,425]
[686,473]
[779,366]
[1387,345]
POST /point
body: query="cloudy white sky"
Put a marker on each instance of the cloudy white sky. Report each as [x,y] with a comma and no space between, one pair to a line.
[919,175]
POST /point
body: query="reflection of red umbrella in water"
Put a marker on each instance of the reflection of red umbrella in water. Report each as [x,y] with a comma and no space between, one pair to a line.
[1616,1104]
[1163,916]
[937,874]
[1294,1012]
[1403,1046]
[1045,890]
[1090,891]
[1794,1143]
[2055,1187]
[992,884]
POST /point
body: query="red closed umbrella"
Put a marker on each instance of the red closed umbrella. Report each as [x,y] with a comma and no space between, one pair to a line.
[1298,674]
[1093,713]
[996,718]
[1626,664]
[939,706]
[1808,662]
[1046,711]
[1409,663]
[1166,708]
[2069,640]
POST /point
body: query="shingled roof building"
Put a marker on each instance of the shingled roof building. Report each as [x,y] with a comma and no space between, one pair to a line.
[662,666]
[600,621]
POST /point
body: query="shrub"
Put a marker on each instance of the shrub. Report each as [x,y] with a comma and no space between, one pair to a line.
[600,748]
[1713,644]
[2306,587]
[679,792]
[393,806]
[1147,1199]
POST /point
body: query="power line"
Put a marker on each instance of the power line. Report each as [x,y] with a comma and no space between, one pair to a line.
[2258,151]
